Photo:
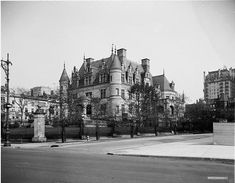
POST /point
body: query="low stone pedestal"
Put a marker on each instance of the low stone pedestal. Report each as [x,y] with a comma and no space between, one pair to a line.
[223,133]
[39,139]
[39,127]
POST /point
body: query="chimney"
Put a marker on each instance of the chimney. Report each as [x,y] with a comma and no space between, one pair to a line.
[145,64]
[88,64]
[121,54]
[89,60]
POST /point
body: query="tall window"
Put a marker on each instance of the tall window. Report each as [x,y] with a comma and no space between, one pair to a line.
[130,80]
[86,81]
[103,109]
[102,93]
[88,110]
[130,108]
[117,109]
[123,93]
[137,80]
[123,108]
[89,80]
[117,91]
[123,78]
[89,94]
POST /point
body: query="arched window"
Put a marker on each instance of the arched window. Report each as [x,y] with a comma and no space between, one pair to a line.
[88,109]
[172,110]
[161,109]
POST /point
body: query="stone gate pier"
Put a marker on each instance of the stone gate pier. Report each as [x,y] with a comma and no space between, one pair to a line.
[39,126]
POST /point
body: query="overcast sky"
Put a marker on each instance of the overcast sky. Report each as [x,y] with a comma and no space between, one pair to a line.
[184,38]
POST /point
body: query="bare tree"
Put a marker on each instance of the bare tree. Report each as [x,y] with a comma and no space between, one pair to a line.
[20,98]
[75,115]
[136,91]
[96,114]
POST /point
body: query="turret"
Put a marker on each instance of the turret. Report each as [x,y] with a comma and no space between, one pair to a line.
[115,84]
[64,83]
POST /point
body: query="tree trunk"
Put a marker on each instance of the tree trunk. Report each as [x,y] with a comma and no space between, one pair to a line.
[81,133]
[97,132]
[113,128]
[132,130]
[63,138]
[155,130]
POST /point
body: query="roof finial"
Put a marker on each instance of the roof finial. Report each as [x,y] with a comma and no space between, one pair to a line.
[163,72]
[115,50]
[64,64]
[84,58]
[112,49]
[183,98]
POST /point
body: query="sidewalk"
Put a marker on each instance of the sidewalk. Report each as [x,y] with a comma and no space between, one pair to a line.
[58,143]
[191,149]
[168,146]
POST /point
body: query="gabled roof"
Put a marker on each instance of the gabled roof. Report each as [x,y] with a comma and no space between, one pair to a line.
[64,76]
[163,82]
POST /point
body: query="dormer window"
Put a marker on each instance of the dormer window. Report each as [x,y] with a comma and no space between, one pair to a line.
[136,71]
[137,80]
[88,80]
[89,69]
[102,78]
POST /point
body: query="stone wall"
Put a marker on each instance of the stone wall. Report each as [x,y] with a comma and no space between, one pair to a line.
[223,133]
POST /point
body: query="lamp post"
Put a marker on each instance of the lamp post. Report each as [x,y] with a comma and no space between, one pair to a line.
[5,65]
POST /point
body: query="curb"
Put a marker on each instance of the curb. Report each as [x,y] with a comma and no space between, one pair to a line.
[227,161]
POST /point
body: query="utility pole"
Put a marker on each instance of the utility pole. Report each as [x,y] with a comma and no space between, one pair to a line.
[61,117]
[5,65]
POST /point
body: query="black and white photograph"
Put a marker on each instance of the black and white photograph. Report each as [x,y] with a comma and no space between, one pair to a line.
[113,91]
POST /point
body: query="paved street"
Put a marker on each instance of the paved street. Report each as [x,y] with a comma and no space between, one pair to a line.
[88,162]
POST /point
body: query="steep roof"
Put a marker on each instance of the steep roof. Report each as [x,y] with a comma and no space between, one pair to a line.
[95,64]
[64,76]
[163,82]
[134,65]
[116,64]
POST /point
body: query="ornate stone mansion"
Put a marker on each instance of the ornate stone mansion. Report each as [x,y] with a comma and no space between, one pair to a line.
[110,79]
